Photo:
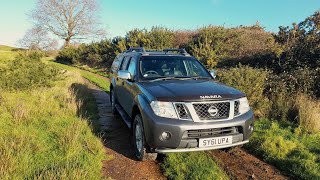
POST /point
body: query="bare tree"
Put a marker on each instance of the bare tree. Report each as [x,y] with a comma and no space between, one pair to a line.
[37,39]
[68,19]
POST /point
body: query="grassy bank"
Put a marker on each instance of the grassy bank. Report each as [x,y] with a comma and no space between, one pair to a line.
[295,153]
[47,131]
[100,81]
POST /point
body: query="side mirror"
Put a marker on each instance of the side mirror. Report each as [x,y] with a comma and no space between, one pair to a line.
[213,73]
[122,74]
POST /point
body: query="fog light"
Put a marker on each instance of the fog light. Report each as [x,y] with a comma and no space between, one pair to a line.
[165,136]
[251,127]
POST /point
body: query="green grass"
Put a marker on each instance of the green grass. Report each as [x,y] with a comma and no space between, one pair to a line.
[194,165]
[99,71]
[48,132]
[295,153]
[100,81]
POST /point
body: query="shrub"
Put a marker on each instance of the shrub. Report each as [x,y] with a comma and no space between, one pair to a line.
[283,88]
[27,72]
[309,113]
[160,37]
[282,101]
[95,54]
[31,54]
[251,82]
[69,55]
[210,44]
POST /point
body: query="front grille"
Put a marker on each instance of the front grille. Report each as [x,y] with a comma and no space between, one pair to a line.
[182,111]
[236,108]
[203,133]
[212,111]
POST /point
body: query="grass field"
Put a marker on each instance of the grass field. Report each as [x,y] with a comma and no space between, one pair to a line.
[6,48]
[49,133]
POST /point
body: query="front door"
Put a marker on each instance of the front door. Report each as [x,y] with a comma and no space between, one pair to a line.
[129,88]
[120,91]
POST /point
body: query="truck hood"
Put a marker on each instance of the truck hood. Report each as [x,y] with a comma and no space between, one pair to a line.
[190,90]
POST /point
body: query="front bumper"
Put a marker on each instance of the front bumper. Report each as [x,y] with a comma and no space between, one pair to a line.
[154,126]
[168,150]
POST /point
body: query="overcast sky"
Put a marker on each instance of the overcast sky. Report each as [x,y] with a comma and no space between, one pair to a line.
[119,16]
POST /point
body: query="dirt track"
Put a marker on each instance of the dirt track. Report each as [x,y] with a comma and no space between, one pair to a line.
[117,137]
[117,141]
[239,164]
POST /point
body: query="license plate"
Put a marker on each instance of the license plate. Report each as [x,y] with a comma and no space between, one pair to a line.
[216,141]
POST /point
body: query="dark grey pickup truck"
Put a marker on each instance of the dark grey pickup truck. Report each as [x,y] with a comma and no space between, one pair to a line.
[173,104]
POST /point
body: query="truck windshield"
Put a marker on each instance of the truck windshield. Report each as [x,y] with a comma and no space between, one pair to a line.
[153,67]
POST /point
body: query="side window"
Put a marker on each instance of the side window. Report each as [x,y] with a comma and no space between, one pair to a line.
[125,63]
[116,63]
[132,67]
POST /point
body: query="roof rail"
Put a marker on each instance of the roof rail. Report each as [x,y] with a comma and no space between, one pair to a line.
[136,49]
[181,51]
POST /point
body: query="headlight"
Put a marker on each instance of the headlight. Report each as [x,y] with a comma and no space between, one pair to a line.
[163,109]
[244,105]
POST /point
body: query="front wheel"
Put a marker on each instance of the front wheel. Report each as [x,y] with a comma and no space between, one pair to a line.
[139,141]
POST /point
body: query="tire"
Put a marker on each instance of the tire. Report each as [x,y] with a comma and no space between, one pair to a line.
[140,147]
[113,102]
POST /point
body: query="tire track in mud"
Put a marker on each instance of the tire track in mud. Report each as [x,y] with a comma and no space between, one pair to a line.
[117,141]
[239,164]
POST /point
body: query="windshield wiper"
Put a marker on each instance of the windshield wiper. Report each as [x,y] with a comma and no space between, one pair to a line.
[171,78]
[199,77]
[179,78]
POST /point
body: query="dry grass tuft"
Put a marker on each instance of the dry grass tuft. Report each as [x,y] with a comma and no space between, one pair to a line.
[309,113]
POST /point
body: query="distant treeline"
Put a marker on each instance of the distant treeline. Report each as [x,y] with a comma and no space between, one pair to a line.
[212,45]
[216,46]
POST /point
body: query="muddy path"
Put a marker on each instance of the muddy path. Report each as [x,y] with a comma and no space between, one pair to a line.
[117,141]
[239,164]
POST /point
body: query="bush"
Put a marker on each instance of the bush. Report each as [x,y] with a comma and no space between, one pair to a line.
[69,55]
[31,54]
[210,45]
[228,46]
[251,82]
[95,54]
[282,90]
[27,72]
